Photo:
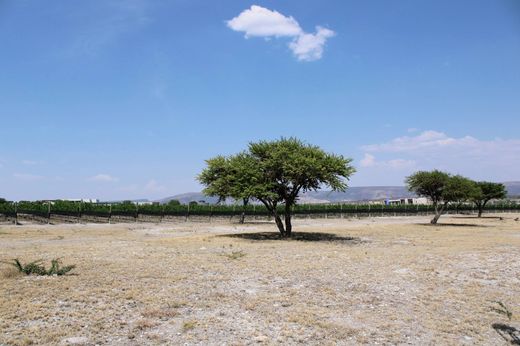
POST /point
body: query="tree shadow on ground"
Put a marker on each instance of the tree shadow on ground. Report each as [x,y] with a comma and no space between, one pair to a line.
[508,333]
[256,223]
[453,225]
[296,236]
[477,218]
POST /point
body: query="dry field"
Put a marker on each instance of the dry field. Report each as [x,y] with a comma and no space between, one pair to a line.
[370,281]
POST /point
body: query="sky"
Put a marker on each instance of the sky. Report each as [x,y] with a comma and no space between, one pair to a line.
[126,99]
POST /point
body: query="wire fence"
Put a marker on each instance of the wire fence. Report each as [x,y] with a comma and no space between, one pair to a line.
[98,212]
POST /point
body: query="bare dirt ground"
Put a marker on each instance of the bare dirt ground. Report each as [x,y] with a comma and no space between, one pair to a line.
[369,281]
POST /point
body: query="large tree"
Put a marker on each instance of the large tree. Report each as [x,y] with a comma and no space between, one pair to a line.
[277,172]
[485,192]
[441,188]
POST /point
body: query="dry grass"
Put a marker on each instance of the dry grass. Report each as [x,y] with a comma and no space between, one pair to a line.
[388,280]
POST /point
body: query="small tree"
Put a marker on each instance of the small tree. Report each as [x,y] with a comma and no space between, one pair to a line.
[485,192]
[441,188]
[277,171]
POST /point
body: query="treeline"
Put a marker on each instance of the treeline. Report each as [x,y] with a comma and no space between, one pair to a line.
[129,209]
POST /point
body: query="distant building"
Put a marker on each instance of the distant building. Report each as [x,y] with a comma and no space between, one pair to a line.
[401,201]
[84,200]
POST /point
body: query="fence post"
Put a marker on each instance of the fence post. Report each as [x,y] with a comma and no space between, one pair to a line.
[110,213]
[48,213]
[210,212]
[187,212]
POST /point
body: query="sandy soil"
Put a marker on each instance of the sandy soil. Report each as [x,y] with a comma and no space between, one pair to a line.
[370,281]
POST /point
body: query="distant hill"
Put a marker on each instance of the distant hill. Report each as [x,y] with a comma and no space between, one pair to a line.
[356,193]
[513,188]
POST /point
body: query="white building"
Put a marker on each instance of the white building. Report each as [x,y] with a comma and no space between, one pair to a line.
[400,201]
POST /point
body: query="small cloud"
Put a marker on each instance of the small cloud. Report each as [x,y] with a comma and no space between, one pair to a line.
[258,21]
[368,160]
[412,130]
[27,177]
[262,22]
[309,47]
[103,178]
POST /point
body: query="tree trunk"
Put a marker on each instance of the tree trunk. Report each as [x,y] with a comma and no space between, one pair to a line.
[438,213]
[288,225]
[279,223]
[243,215]
[481,208]
[435,218]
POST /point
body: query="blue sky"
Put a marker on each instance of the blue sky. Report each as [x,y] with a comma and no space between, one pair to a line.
[126,99]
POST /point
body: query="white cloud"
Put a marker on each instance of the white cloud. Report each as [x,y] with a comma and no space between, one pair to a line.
[27,177]
[258,21]
[369,160]
[309,47]
[496,159]
[106,178]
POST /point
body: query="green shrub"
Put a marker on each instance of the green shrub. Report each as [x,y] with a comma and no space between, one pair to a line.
[37,268]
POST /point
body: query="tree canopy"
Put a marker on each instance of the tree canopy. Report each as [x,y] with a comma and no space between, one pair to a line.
[275,173]
[485,192]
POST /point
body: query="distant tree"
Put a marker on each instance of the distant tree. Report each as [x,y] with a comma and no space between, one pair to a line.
[231,177]
[192,203]
[441,188]
[3,200]
[485,192]
[173,202]
[278,172]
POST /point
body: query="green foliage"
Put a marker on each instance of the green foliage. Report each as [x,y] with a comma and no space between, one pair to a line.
[485,192]
[37,268]
[125,208]
[428,184]
[174,202]
[3,200]
[441,187]
[459,189]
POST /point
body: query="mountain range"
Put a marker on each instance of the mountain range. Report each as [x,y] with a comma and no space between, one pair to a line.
[356,193]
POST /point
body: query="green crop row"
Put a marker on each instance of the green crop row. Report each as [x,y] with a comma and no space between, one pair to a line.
[130,209]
